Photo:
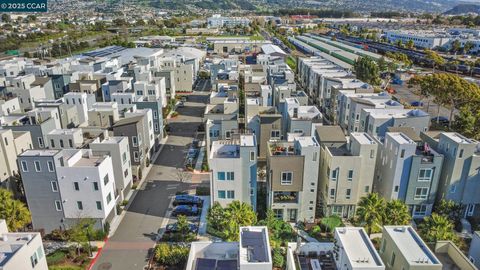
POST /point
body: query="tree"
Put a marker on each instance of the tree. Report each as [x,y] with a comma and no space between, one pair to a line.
[410,44]
[14,212]
[182,225]
[396,213]
[436,228]
[455,47]
[237,214]
[450,210]
[435,58]
[367,70]
[227,221]
[468,46]
[370,212]
[278,258]
[81,232]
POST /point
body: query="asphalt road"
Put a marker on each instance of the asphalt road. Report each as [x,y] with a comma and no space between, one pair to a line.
[130,246]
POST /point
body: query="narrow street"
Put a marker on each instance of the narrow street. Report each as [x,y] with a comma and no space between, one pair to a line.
[133,241]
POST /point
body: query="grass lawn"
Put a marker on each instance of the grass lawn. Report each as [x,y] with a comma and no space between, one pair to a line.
[66,266]
[291,62]
[59,260]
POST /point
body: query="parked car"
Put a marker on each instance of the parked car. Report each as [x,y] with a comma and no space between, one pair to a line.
[192,153]
[186,199]
[441,119]
[187,210]
[195,143]
[416,103]
[173,228]
[181,104]
[184,99]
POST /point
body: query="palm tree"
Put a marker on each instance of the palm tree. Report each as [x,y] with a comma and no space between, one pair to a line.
[14,212]
[370,211]
[437,227]
[238,214]
[396,213]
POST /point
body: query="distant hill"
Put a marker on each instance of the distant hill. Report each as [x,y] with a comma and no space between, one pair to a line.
[464,9]
[352,5]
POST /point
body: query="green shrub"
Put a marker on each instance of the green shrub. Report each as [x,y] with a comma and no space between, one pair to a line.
[57,257]
[278,258]
[124,203]
[167,254]
[202,191]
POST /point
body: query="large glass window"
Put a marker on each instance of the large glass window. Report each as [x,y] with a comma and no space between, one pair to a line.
[287,178]
[421,193]
[425,174]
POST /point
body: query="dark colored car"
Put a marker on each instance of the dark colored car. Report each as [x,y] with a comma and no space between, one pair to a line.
[173,228]
[416,103]
[185,199]
[192,153]
[186,210]
[441,119]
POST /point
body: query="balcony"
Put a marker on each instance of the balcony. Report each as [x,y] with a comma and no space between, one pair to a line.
[282,150]
[285,197]
[426,154]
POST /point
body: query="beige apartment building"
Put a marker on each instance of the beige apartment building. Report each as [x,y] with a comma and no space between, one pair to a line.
[346,170]
[12,143]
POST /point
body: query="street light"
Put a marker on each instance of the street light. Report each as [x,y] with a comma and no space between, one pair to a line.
[88,239]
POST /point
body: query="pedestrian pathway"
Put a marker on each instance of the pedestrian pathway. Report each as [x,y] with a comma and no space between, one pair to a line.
[202,227]
[198,164]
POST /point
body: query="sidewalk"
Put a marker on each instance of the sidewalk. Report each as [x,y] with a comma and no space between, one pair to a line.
[133,192]
[198,164]
[202,226]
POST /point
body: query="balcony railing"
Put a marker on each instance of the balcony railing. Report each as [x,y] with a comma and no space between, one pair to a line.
[285,197]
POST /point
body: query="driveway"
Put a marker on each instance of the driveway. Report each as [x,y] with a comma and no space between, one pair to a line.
[130,246]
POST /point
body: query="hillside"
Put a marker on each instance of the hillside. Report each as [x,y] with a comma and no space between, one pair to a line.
[353,5]
[464,9]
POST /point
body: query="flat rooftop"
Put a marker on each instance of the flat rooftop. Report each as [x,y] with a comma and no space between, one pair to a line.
[399,137]
[362,138]
[254,245]
[395,113]
[358,247]
[411,245]
[42,153]
[65,131]
[305,141]
[458,138]
[10,243]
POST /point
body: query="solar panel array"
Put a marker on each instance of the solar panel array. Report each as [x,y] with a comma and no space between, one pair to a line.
[104,51]
[253,241]
[214,264]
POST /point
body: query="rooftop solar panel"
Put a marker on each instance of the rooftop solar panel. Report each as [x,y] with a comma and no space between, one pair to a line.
[227,265]
[253,241]
[205,264]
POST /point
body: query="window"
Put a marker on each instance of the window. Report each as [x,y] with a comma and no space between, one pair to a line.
[156,127]
[461,153]
[278,213]
[332,193]
[315,156]
[76,186]
[221,194]
[124,157]
[61,144]
[287,178]
[105,179]
[79,205]
[37,166]
[24,166]
[367,188]
[275,134]
[99,205]
[402,153]
[421,193]
[34,259]
[54,186]
[95,185]
[125,173]
[135,155]
[109,198]
[134,141]
[230,194]
[396,188]
[392,260]
[155,114]
[70,143]
[334,175]
[221,176]
[470,209]
[58,205]
[52,143]
[372,153]
[453,188]
[230,176]
[420,210]
[40,142]
[382,248]
[350,175]
[252,156]
[425,175]
[50,166]
[348,193]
